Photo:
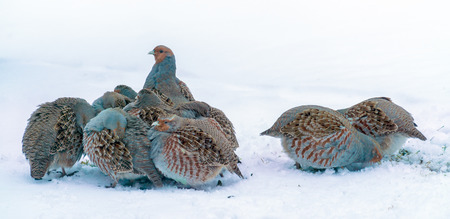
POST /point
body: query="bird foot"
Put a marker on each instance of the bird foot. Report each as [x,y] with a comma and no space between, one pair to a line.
[113,185]
[71,174]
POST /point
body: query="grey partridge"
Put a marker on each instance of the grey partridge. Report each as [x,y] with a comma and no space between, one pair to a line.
[53,136]
[319,137]
[191,151]
[163,78]
[118,144]
[371,116]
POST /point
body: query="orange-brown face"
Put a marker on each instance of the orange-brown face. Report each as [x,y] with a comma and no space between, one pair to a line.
[377,156]
[119,131]
[162,125]
[160,53]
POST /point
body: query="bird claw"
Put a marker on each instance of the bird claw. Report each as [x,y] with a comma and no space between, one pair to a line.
[71,174]
[113,185]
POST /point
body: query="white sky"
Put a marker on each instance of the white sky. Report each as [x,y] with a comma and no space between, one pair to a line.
[117,34]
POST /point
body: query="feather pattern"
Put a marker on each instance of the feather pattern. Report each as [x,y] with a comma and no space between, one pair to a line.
[319,137]
[198,109]
[53,135]
[185,91]
[191,151]
[118,144]
[384,120]
[110,100]
[149,107]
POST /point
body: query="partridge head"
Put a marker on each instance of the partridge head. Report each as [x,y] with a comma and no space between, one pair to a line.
[162,77]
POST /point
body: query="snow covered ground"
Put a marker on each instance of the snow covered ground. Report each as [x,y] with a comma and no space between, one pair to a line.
[253,60]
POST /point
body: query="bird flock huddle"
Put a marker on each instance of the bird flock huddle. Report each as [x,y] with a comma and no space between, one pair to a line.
[162,131]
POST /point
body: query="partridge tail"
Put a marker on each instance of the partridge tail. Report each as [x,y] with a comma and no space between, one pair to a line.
[416,134]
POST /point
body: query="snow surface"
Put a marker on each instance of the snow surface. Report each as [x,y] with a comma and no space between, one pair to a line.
[254,60]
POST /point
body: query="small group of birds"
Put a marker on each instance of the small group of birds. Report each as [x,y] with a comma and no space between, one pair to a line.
[161,131]
[317,137]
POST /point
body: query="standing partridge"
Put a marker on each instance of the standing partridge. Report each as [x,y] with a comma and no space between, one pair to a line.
[162,77]
[371,116]
[126,91]
[53,136]
[110,100]
[320,137]
[118,144]
[191,151]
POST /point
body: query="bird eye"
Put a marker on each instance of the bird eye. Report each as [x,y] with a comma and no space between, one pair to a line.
[165,122]
[160,51]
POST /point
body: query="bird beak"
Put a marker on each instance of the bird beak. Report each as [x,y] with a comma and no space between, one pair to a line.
[151,52]
[155,123]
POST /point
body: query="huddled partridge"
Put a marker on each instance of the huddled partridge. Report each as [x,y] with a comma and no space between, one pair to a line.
[53,136]
[118,144]
[149,106]
[199,109]
[320,138]
[126,91]
[110,99]
[384,120]
[191,151]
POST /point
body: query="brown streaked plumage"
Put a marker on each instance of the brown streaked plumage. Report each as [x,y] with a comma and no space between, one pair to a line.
[197,109]
[118,144]
[150,105]
[192,151]
[53,136]
[320,137]
[384,120]
[110,99]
